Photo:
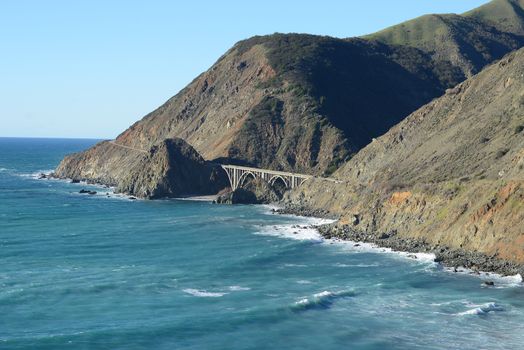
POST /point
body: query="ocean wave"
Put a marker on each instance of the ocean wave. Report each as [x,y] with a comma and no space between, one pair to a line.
[355,265]
[305,231]
[304,282]
[362,247]
[37,174]
[292,231]
[203,293]
[498,280]
[238,288]
[295,265]
[322,300]
[482,309]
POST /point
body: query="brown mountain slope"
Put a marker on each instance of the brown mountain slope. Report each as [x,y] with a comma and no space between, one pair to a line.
[452,173]
[291,102]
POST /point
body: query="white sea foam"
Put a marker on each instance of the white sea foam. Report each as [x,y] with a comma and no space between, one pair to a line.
[305,230]
[355,265]
[293,231]
[203,293]
[322,299]
[498,280]
[304,282]
[295,265]
[481,309]
[362,247]
[238,288]
[37,174]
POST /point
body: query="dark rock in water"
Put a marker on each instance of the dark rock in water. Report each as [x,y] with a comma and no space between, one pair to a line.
[83,191]
[91,192]
[132,198]
[42,176]
[489,283]
[75,181]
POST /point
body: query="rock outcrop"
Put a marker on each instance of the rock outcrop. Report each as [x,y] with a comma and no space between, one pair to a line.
[170,169]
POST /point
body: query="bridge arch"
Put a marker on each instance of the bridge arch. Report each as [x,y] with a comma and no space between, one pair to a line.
[272,180]
[244,176]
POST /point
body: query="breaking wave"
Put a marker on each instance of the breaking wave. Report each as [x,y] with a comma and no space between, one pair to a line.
[482,309]
[322,300]
[203,293]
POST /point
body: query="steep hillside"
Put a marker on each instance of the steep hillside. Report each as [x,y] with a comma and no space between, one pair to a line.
[291,102]
[469,41]
[450,174]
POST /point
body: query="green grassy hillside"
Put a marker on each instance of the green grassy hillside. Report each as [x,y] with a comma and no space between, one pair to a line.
[506,15]
[469,41]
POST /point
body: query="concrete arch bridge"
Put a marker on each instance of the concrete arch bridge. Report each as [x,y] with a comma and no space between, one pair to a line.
[238,174]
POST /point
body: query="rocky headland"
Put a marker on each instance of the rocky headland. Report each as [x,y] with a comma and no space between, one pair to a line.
[450,176]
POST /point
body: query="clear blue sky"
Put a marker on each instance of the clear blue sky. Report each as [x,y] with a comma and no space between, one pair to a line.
[81,68]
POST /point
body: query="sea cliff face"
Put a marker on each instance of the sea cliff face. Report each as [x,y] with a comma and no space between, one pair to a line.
[450,174]
[170,169]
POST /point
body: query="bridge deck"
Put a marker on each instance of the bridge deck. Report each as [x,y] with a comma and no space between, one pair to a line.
[272,172]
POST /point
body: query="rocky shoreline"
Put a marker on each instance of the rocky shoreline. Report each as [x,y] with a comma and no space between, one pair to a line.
[453,258]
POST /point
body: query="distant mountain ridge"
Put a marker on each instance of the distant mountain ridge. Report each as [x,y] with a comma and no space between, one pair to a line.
[505,15]
[469,41]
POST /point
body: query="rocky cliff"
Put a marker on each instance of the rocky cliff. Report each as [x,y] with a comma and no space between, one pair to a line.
[450,175]
[170,169]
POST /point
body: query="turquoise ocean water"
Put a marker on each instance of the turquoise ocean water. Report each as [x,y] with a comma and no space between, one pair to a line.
[105,272]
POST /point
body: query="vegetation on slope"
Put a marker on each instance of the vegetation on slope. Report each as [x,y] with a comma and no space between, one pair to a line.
[505,15]
[469,41]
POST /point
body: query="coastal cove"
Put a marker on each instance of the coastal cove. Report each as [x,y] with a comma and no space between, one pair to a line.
[114,272]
